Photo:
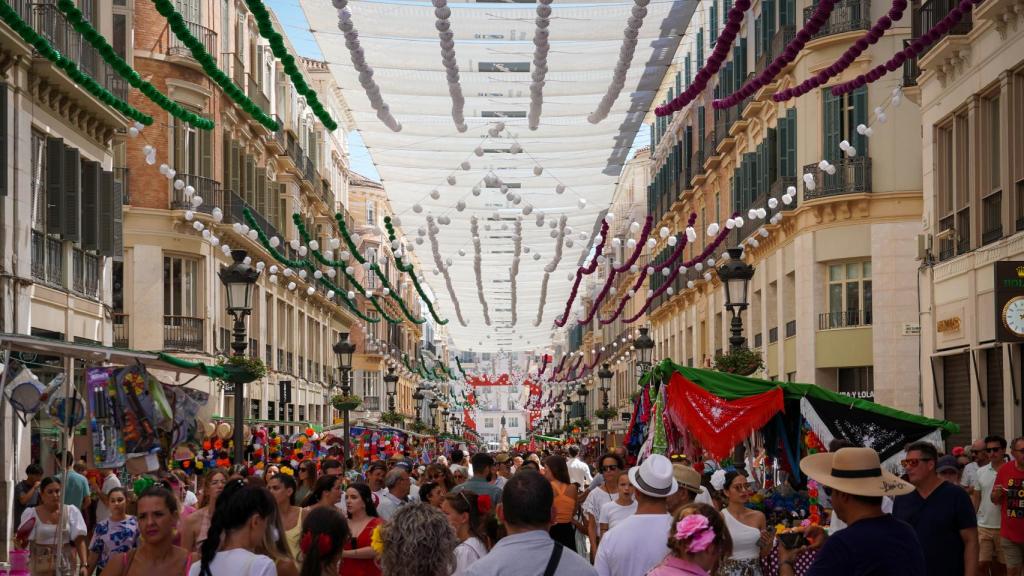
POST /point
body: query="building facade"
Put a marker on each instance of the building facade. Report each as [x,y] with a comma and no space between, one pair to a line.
[971,92]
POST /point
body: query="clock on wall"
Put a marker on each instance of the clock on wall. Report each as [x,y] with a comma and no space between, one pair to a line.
[1009,300]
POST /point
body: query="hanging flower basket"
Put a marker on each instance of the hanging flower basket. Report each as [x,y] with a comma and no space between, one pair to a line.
[242,369]
[392,418]
[582,424]
[605,413]
[741,361]
[346,402]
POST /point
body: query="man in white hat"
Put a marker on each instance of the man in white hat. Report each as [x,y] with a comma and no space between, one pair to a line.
[639,543]
[873,542]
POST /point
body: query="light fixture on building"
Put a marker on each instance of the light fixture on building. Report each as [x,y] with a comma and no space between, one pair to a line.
[644,346]
[736,275]
[238,279]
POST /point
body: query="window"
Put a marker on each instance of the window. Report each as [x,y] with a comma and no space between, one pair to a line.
[513,421]
[992,190]
[849,295]
[371,212]
[842,114]
[371,383]
[120,34]
[858,382]
[953,185]
[181,285]
[192,151]
[371,277]
[488,422]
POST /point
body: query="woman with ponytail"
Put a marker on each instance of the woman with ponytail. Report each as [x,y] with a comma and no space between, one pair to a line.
[324,533]
[468,513]
[197,524]
[237,528]
[698,542]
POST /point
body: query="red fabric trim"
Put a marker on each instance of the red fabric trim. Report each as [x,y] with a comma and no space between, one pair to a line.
[718,424]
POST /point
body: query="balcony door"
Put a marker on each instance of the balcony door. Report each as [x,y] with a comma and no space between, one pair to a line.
[190,9]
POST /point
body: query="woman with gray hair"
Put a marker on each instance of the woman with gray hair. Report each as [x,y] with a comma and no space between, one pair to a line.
[418,541]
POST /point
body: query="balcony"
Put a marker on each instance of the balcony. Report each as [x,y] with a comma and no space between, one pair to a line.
[782,37]
[85,273]
[853,176]
[237,70]
[844,319]
[183,333]
[49,22]
[847,16]
[930,13]
[779,188]
[207,37]
[910,68]
[121,326]
[256,94]
[121,181]
[48,260]
[207,188]
[371,404]
[234,206]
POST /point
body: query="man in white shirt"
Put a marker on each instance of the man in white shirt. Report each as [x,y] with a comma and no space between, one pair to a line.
[621,508]
[979,458]
[398,485]
[579,472]
[638,543]
[110,481]
[989,515]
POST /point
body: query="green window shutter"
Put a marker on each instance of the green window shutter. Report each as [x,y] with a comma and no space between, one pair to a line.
[105,202]
[790,143]
[116,234]
[653,141]
[249,183]
[783,153]
[714,22]
[90,205]
[787,13]
[54,184]
[236,168]
[759,33]
[772,153]
[700,48]
[261,191]
[701,133]
[768,11]
[742,62]
[206,153]
[736,190]
[860,116]
[71,228]
[687,63]
[225,175]
[725,12]
[831,110]
[679,83]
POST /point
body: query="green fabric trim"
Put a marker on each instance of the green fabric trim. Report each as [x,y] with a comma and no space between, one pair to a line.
[216,372]
[731,387]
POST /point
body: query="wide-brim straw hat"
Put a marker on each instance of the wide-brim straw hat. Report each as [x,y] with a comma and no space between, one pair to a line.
[854,471]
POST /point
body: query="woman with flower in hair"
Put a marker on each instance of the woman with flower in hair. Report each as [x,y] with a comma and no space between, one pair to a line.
[468,513]
[747,528]
[417,541]
[363,520]
[324,533]
[698,541]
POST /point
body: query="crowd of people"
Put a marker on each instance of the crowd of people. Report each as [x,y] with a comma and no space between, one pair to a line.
[529,514]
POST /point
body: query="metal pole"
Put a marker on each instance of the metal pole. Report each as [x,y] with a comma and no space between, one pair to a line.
[346,390]
[238,345]
[736,341]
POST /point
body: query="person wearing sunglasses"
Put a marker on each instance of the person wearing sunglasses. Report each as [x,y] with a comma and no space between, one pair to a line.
[991,559]
[611,465]
[979,457]
[941,513]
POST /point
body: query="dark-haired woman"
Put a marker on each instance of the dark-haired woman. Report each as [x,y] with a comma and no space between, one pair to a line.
[282,488]
[195,527]
[467,513]
[326,494]
[117,534]
[360,559]
[748,528]
[157,514]
[324,532]
[236,530]
[48,555]
[306,480]
[556,470]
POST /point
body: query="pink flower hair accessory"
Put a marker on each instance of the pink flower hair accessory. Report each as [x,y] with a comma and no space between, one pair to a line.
[696,528]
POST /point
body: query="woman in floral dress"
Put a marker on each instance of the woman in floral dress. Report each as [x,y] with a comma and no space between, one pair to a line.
[117,534]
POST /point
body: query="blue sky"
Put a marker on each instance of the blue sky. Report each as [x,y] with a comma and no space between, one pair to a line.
[291,16]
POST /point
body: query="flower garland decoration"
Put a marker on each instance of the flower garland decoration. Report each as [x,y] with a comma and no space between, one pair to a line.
[517,240]
[550,268]
[626,52]
[106,51]
[474,230]
[912,51]
[432,231]
[358,58]
[408,269]
[541,46]
[11,17]
[444,33]
[715,60]
[586,269]
[629,264]
[789,54]
[843,62]
[209,64]
[462,371]
[277,47]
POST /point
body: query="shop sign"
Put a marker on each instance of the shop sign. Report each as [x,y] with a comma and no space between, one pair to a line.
[868,395]
[1009,292]
[949,324]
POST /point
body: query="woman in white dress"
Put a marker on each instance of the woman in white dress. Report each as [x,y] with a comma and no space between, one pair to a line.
[748,528]
[467,513]
[38,531]
[237,528]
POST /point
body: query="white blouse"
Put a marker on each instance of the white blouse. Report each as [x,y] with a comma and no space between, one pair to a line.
[43,533]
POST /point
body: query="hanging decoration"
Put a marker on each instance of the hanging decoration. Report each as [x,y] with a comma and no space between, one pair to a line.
[715,60]
[408,269]
[517,241]
[626,52]
[474,230]
[541,46]
[439,266]
[209,64]
[358,57]
[106,51]
[550,268]
[628,265]
[818,19]
[70,67]
[718,424]
[447,38]
[266,28]
[849,56]
[588,268]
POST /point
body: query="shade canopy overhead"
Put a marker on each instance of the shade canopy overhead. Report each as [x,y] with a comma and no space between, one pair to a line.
[555,62]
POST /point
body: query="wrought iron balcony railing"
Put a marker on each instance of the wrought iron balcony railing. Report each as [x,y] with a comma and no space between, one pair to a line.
[207,37]
[853,176]
[847,16]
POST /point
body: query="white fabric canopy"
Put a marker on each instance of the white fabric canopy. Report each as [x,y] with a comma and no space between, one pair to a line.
[494,52]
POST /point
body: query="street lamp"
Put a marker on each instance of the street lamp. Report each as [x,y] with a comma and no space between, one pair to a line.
[605,374]
[558,413]
[418,396]
[391,384]
[444,420]
[736,275]
[644,346]
[238,279]
[344,350]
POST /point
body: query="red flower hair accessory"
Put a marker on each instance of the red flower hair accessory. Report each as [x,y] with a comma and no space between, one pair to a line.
[323,543]
[483,503]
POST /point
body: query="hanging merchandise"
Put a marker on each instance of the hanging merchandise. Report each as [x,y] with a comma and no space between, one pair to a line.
[108,449]
[24,390]
[67,413]
[138,411]
[719,424]
[186,402]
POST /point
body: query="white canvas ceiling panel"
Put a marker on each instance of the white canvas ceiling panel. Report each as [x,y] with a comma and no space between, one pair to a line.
[494,53]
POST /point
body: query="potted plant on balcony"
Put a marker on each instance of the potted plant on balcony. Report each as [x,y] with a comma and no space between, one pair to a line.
[346,401]
[241,369]
[392,418]
[741,361]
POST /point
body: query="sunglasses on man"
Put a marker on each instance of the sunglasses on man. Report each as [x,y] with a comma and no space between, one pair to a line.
[913,462]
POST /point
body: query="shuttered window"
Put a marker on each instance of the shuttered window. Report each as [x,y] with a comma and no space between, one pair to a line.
[700,48]
[54,184]
[787,13]
[236,168]
[713,12]
[72,195]
[3,139]
[956,397]
[688,67]
[261,191]
[90,204]
[994,390]
[841,115]
[786,145]
[109,213]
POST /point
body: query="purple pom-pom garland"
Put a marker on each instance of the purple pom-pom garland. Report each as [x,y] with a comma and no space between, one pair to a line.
[618,270]
[580,273]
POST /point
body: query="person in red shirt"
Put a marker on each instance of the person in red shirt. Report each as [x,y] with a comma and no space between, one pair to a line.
[1008,492]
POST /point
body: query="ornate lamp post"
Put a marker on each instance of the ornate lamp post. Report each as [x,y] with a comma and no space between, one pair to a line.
[433,412]
[644,346]
[238,279]
[558,413]
[344,350]
[736,275]
[418,396]
[391,383]
[444,420]
[605,374]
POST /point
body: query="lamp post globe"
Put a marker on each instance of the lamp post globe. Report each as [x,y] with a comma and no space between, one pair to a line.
[238,279]
[391,385]
[644,346]
[735,275]
[344,349]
